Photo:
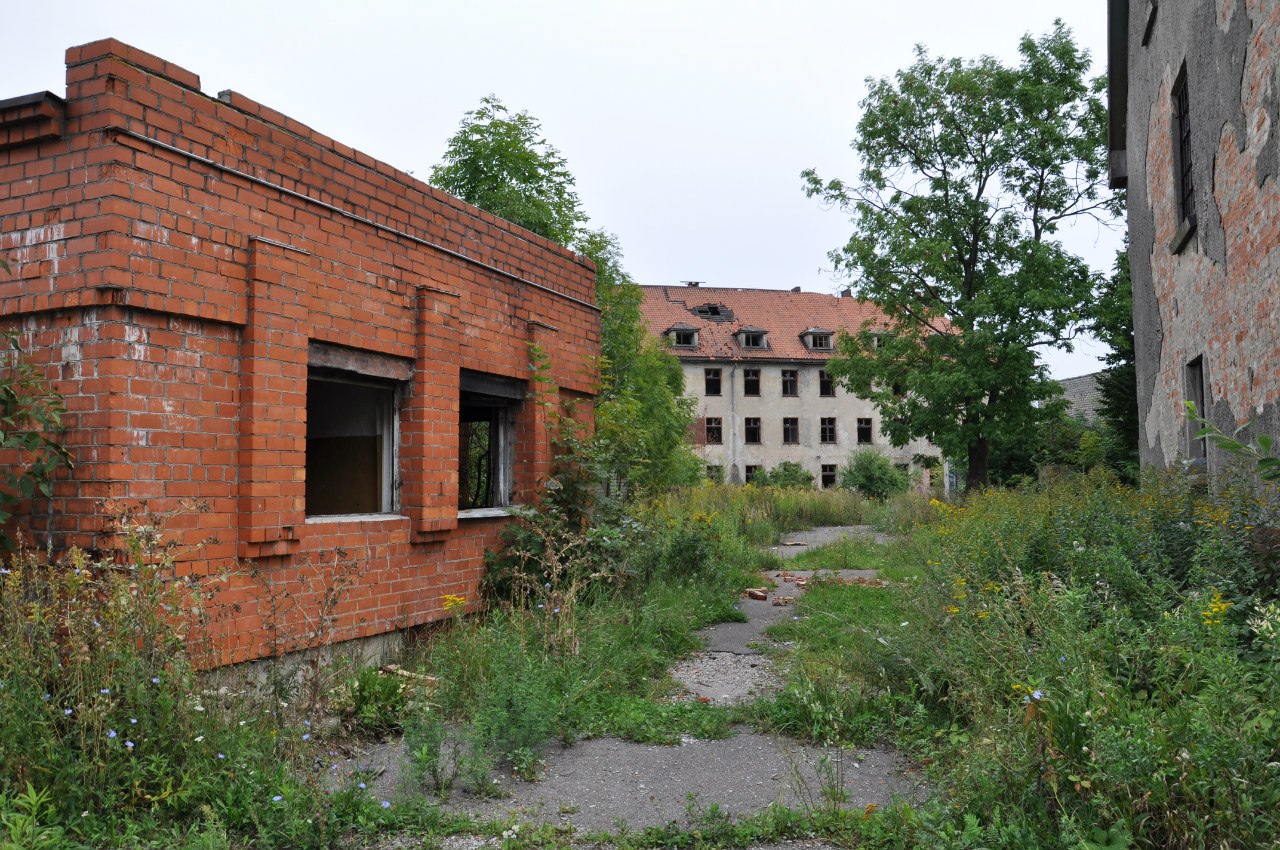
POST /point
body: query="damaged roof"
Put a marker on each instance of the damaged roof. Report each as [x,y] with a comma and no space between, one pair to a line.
[718,314]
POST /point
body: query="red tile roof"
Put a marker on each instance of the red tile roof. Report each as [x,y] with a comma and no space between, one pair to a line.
[784,314]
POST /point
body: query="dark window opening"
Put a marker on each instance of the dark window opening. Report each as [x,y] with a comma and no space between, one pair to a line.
[897,389]
[826,384]
[751,382]
[715,431]
[1197,447]
[686,339]
[827,429]
[752,430]
[351,444]
[864,431]
[1183,179]
[714,312]
[751,472]
[828,476]
[790,382]
[791,430]
[820,342]
[715,473]
[486,439]
[753,339]
[711,379]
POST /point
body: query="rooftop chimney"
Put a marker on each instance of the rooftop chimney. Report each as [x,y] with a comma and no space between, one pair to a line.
[795,289]
[691,282]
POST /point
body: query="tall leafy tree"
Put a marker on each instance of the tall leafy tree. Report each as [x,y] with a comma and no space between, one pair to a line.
[969,167]
[499,161]
[1112,323]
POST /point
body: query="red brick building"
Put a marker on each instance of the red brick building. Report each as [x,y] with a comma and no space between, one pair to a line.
[329,353]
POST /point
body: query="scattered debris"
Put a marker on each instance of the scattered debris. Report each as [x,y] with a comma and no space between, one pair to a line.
[757,593]
[783,600]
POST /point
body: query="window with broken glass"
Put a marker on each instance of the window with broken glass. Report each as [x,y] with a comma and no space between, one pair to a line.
[487,410]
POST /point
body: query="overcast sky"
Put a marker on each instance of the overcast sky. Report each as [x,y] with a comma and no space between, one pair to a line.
[687,123]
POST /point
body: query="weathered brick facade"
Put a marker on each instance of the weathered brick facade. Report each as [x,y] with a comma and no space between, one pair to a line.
[181,264]
[1195,100]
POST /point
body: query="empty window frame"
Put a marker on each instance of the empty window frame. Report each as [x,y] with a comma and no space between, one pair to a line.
[790,382]
[751,430]
[864,431]
[1197,447]
[751,470]
[828,476]
[711,381]
[826,384]
[751,382]
[486,439]
[684,339]
[715,431]
[1183,179]
[352,443]
[753,339]
[715,473]
[827,429]
[820,342]
[790,430]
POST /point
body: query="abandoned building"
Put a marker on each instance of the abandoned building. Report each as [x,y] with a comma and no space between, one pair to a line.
[1194,104]
[754,360]
[329,354]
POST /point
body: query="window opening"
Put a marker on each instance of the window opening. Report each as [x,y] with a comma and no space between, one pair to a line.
[753,339]
[826,384]
[486,439]
[686,339]
[828,476]
[715,473]
[752,430]
[1197,447]
[715,431]
[751,382]
[711,381]
[864,431]
[752,470]
[820,342]
[351,445]
[790,382]
[1183,178]
[827,429]
[791,430]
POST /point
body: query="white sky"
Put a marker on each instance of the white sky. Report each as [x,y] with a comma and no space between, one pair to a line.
[686,122]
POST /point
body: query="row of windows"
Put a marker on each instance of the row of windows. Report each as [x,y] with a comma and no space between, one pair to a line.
[713,427]
[715,472]
[713,384]
[751,338]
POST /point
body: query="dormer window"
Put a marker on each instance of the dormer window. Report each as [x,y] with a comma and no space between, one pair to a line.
[689,338]
[756,338]
[817,339]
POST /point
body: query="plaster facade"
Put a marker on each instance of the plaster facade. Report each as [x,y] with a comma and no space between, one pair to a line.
[759,406]
[1205,264]
[244,312]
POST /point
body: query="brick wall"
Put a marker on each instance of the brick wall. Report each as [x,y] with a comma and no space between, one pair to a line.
[175,257]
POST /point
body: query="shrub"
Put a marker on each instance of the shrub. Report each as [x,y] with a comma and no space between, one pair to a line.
[872,474]
[786,474]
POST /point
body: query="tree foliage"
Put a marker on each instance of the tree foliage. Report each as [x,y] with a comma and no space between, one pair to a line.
[30,412]
[787,474]
[968,170]
[873,475]
[1112,323]
[499,161]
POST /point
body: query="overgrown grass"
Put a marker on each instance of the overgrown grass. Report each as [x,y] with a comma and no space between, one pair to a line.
[1082,664]
[762,514]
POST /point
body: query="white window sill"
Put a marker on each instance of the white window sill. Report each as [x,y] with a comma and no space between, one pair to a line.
[489,513]
[317,520]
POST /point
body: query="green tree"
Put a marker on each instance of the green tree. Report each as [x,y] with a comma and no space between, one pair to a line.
[642,414]
[873,475]
[499,161]
[968,170]
[1112,323]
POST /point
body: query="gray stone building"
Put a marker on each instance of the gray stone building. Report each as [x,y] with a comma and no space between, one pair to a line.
[754,359]
[1195,138]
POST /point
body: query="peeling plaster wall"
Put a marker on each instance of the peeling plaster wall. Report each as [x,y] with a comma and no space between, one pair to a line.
[1219,297]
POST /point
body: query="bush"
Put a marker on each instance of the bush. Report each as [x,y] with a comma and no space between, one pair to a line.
[786,474]
[873,475]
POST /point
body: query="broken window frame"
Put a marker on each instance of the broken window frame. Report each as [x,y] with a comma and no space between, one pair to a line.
[711,382]
[753,339]
[828,478]
[749,472]
[496,401]
[751,430]
[826,384]
[684,339]
[820,342]
[865,431]
[751,382]
[714,429]
[791,383]
[1197,447]
[1183,175]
